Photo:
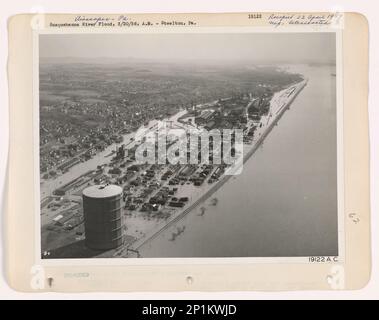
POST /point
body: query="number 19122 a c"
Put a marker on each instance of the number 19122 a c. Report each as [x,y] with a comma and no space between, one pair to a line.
[323,259]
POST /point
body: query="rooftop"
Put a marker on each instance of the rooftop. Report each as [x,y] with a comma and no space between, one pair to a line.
[102,191]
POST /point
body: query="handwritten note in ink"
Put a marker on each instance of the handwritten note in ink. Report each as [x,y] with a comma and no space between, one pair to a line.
[327,19]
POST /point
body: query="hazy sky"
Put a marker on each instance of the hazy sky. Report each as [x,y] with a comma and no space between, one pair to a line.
[269,47]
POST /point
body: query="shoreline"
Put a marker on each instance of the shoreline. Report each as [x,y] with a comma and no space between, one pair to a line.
[135,246]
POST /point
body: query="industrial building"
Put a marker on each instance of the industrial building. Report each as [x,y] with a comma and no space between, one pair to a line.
[102,217]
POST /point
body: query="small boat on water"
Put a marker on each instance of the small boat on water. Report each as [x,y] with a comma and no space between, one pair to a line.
[202,211]
[214,202]
[179,230]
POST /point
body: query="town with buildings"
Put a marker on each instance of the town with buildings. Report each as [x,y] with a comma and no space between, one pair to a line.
[97,199]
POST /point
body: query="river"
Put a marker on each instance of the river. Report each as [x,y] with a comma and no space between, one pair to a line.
[285,201]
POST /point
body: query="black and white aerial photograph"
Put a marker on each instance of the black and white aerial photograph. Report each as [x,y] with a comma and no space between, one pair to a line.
[188,145]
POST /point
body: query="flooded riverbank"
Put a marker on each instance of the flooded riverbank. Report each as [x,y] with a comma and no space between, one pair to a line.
[285,201]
